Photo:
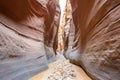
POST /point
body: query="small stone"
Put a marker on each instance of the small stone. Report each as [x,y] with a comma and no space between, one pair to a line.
[62,70]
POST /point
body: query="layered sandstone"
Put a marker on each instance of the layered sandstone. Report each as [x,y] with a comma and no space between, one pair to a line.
[96,44]
[28,30]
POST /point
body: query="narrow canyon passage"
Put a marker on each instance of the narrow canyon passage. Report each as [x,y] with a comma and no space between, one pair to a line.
[62,69]
[39,40]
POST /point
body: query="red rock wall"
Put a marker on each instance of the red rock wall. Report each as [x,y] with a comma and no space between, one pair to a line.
[51,29]
[28,30]
[97,38]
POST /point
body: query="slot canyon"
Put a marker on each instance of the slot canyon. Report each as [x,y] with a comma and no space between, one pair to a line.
[37,37]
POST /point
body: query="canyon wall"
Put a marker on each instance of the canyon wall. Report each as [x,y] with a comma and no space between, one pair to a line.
[96,44]
[28,30]
[28,37]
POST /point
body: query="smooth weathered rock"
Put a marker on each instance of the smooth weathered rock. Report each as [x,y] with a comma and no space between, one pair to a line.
[51,27]
[96,44]
[28,37]
[27,33]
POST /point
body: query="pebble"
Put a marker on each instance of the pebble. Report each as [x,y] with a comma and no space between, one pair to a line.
[62,70]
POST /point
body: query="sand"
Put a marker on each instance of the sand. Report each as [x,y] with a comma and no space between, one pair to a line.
[80,74]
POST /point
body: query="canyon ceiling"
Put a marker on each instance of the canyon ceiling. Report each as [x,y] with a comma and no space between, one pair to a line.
[28,37]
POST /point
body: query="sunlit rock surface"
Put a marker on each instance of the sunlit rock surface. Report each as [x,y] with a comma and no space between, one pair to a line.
[28,30]
[96,44]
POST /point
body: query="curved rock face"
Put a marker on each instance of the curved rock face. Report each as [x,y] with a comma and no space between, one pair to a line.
[96,45]
[27,34]
[51,29]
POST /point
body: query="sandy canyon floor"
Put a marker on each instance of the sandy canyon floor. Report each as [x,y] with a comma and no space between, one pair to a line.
[62,69]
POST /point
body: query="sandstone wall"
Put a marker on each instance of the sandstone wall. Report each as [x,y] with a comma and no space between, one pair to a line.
[27,33]
[96,44]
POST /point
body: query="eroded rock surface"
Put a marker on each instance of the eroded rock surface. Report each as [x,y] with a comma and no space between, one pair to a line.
[28,37]
[27,34]
[96,44]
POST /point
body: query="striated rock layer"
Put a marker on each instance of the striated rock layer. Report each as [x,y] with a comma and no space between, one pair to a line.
[96,44]
[28,30]
[28,37]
